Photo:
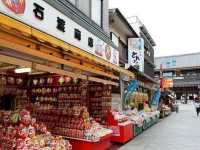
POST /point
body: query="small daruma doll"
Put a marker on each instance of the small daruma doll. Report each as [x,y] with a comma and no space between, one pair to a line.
[25,117]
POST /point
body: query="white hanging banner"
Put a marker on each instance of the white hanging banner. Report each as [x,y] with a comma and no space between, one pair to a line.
[136,53]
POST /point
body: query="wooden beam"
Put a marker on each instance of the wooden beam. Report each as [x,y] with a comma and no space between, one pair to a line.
[59,71]
[7,68]
[55,51]
[15,61]
[40,67]
[41,36]
[103,81]
[67,47]
[71,74]
[9,22]
[42,55]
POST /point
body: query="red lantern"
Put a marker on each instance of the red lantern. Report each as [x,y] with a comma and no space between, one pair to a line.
[67,79]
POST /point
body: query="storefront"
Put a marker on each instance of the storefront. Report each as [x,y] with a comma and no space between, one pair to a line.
[140,109]
[61,73]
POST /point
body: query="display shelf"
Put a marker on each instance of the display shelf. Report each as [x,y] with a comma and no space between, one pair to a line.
[65,95]
[137,130]
[103,144]
[146,124]
[13,86]
[78,139]
[100,99]
[123,131]
[35,132]
[56,85]
[125,134]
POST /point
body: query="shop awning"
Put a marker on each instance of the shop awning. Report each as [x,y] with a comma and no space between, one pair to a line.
[34,34]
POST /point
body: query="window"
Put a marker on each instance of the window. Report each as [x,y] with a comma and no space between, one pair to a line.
[73,1]
[96,11]
[90,42]
[84,6]
[91,8]
[77,34]
[114,38]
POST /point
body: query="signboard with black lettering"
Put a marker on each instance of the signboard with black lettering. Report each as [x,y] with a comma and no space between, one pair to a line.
[136,53]
[42,16]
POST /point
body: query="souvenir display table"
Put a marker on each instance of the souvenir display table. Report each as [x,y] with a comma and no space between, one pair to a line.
[66,107]
[136,119]
[18,131]
[102,144]
[121,126]
[75,125]
[150,118]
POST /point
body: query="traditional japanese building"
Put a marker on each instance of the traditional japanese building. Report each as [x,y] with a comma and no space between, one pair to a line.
[120,33]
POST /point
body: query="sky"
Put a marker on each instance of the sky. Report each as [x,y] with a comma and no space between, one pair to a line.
[173,24]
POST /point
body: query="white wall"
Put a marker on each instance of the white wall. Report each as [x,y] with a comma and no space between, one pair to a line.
[190,60]
[122,36]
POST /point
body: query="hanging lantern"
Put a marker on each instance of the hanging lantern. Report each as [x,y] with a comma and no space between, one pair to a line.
[61,80]
[67,79]
[75,80]
[19,81]
[50,80]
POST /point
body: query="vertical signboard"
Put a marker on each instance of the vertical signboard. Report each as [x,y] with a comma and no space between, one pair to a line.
[167,83]
[136,53]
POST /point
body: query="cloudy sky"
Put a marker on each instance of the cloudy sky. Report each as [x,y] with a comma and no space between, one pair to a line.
[173,24]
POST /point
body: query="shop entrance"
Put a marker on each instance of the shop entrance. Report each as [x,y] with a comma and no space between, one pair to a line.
[22,87]
[62,103]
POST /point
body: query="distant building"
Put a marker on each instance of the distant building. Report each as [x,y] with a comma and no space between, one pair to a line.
[120,33]
[184,70]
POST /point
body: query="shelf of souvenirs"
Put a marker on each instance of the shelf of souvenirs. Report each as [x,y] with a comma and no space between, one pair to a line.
[57,91]
[18,130]
[72,122]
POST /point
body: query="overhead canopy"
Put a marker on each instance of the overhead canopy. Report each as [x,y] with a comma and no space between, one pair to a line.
[31,43]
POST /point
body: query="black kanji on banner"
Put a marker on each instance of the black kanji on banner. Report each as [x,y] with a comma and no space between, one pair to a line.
[60,24]
[39,11]
[135,57]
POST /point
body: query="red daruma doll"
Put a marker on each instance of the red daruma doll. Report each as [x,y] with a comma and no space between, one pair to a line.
[43,128]
[25,117]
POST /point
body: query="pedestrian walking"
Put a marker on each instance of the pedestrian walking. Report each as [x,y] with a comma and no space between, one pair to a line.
[176,106]
[197,106]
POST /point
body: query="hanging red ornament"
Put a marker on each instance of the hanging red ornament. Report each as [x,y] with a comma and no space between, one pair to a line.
[67,79]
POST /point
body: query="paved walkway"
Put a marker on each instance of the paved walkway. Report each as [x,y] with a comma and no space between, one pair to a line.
[177,132]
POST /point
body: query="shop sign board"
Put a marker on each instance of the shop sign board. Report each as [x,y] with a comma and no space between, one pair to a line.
[42,16]
[167,83]
[136,53]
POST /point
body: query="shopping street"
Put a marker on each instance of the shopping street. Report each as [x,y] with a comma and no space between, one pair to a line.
[82,75]
[176,132]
